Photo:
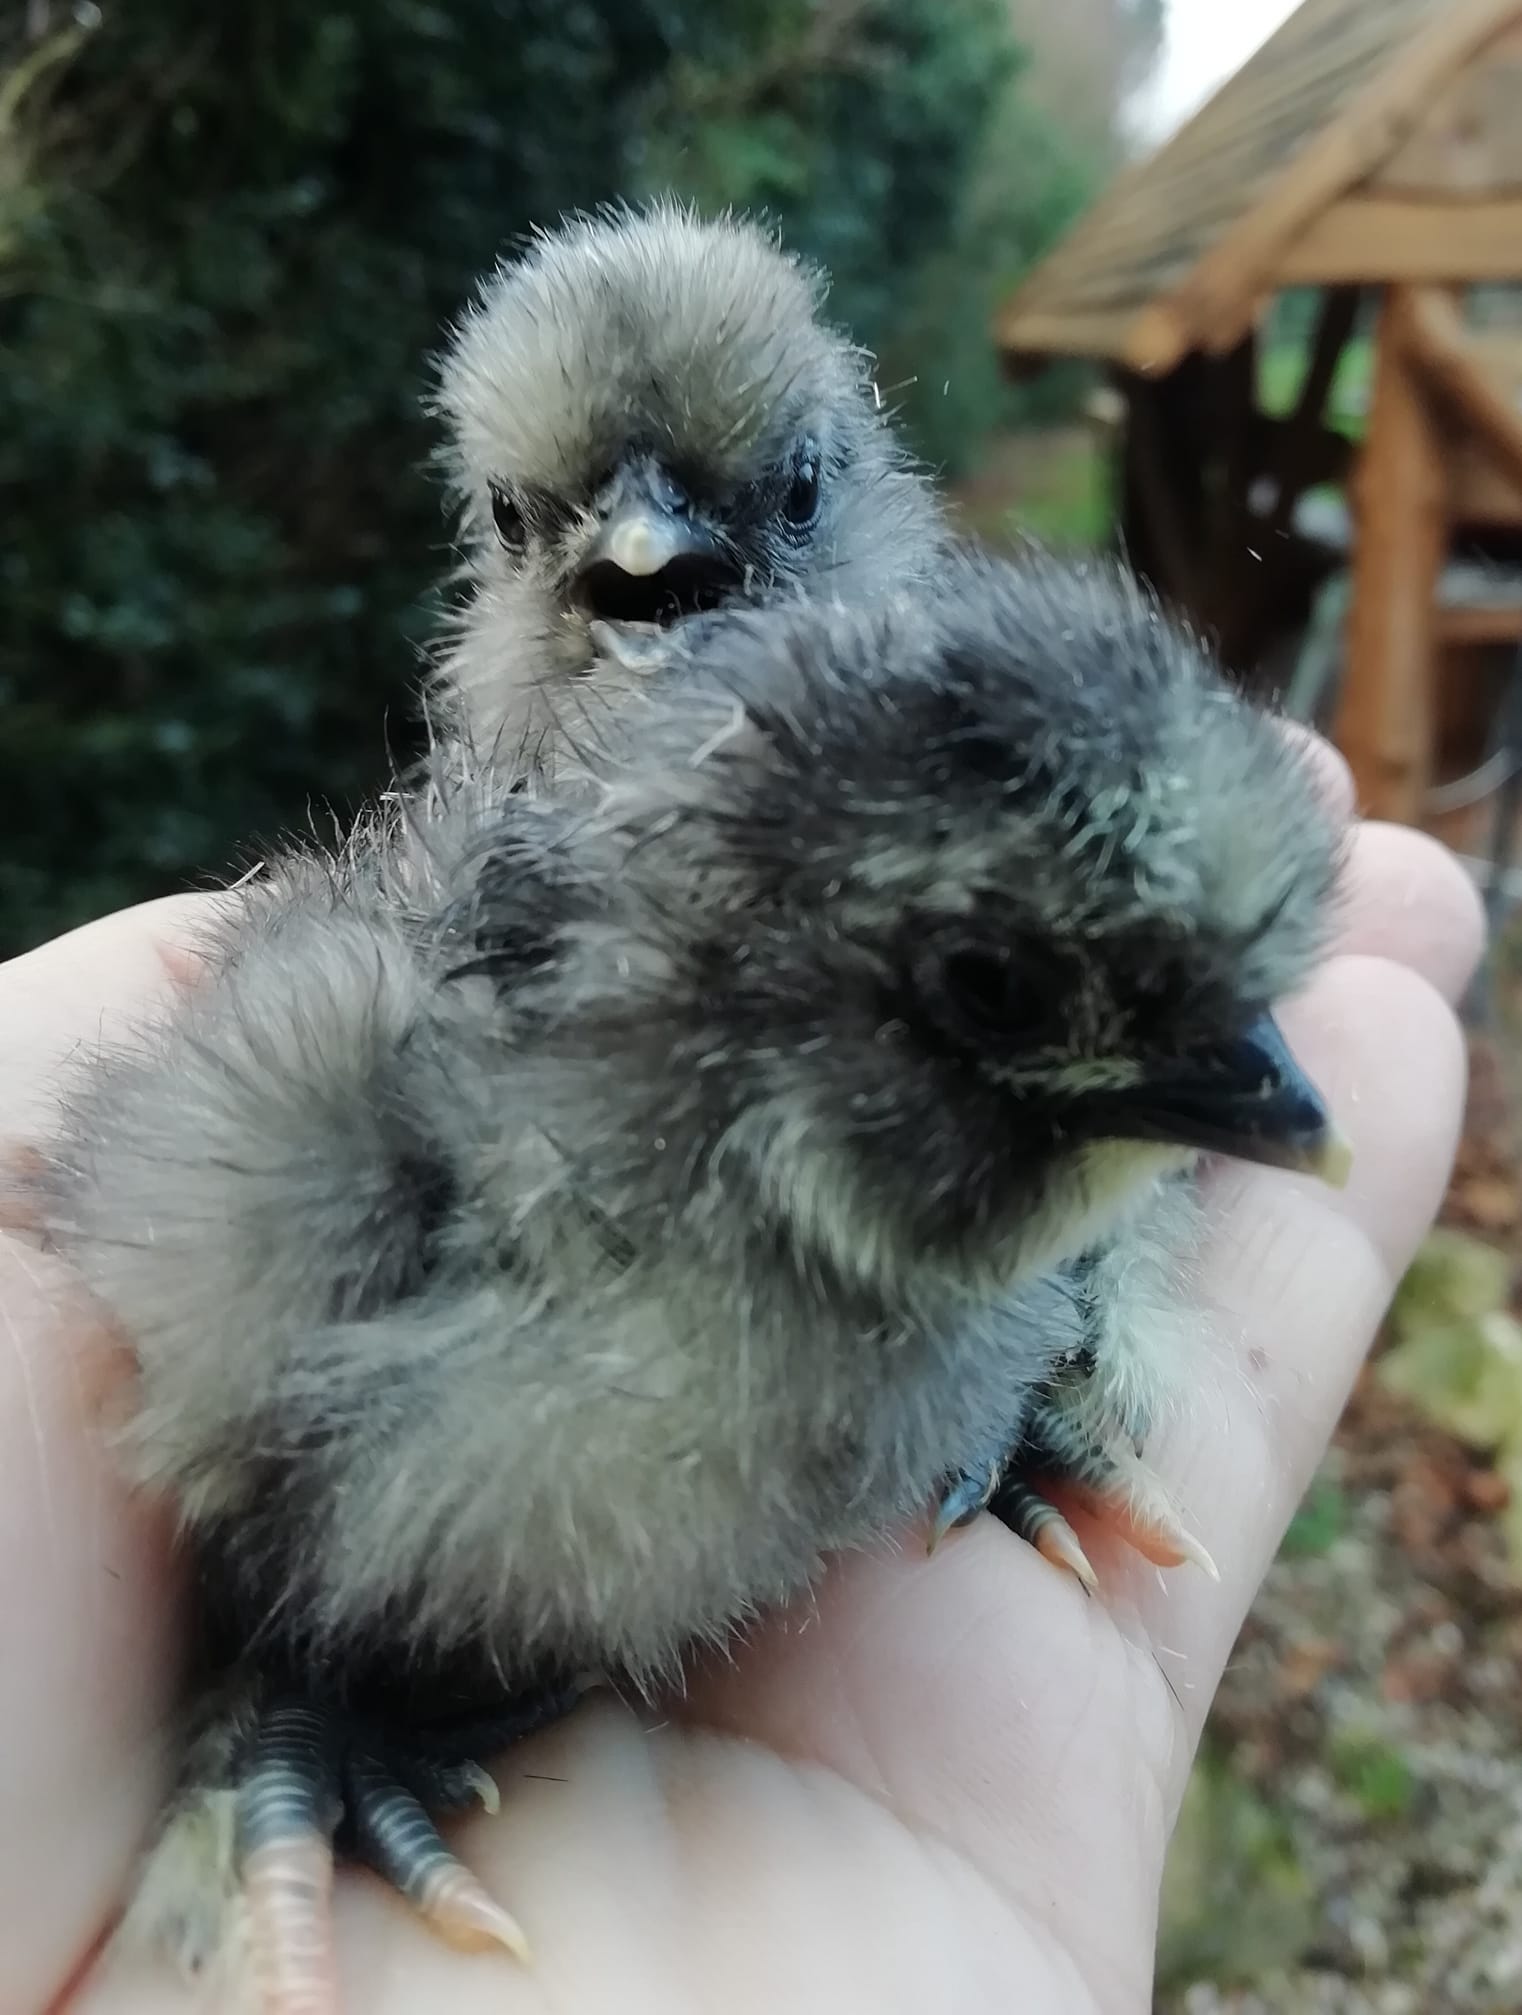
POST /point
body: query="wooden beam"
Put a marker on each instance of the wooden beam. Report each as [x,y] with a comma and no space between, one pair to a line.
[1374,239]
[1144,339]
[1158,341]
[1479,494]
[1435,340]
[1480,623]
[1385,718]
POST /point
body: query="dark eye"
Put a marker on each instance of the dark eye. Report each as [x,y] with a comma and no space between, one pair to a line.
[507,516]
[993,1003]
[801,504]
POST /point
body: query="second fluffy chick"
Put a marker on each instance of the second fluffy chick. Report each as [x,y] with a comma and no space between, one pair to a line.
[648,418]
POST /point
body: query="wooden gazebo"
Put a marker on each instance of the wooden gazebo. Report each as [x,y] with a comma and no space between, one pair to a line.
[1372,150]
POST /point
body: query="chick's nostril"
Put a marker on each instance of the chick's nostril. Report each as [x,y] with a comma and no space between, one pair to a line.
[673,497]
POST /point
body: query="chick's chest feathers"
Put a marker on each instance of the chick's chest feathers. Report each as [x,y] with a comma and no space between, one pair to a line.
[615,1475]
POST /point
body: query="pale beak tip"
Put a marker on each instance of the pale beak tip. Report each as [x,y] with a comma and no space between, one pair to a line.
[1332,1162]
[638,548]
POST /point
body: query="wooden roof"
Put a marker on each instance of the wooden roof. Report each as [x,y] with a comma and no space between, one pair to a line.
[1180,251]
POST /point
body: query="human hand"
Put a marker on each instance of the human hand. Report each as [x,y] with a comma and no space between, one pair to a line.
[943,1781]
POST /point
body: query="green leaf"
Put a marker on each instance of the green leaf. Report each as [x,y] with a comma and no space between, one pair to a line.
[1318,1524]
[1457,1350]
[1374,1773]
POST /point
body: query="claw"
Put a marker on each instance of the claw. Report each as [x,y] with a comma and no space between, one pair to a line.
[1041,1525]
[402,1844]
[452,1787]
[1148,1524]
[1060,1544]
[460,1910]
[484,1787]
[961,1503]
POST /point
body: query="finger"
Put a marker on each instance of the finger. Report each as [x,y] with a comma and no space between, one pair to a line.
[85,1593]
[990,1706]
[1404,896]
[82,987]
[983,1697]
[83,1579]
[1297,1279]
[1329,770]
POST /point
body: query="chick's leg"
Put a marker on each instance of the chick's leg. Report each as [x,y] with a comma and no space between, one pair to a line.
[1082,1440]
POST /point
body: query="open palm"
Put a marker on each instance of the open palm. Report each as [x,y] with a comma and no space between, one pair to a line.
[942,1783]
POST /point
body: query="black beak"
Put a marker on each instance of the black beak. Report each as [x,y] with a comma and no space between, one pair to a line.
[653,559]
[1249,1100]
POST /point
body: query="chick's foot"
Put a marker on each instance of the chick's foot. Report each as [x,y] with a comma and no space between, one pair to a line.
[1019,1505]
[309,1784]
[1112,1485]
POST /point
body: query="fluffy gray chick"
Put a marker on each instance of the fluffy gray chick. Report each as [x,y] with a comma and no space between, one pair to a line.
[555,1229]
[648,419]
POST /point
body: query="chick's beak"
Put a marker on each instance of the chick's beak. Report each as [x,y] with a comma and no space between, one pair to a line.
[1248,1099]
[652,558]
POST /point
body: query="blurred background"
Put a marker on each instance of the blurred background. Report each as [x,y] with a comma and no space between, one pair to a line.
[230,238]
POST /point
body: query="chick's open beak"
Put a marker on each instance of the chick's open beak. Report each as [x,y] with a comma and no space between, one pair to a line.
[653,558]
[1248,1099]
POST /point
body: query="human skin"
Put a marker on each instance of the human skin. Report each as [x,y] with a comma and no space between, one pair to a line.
[944,1782]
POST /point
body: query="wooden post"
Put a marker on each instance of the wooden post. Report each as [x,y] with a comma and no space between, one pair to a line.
[1384,724]
[1158,533]
[1165,509]
[1456,374]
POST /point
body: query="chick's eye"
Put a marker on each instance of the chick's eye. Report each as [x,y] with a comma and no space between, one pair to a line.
[979,988]
[507,516]
[991,1002]
[801,504]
